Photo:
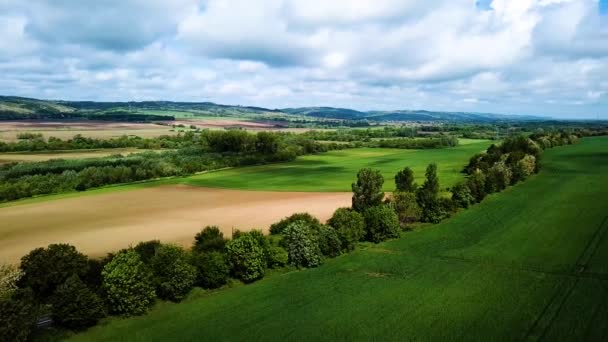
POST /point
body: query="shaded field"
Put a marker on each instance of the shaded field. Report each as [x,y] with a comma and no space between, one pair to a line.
[175,213]
[525,264]
[336,170]
[68,154]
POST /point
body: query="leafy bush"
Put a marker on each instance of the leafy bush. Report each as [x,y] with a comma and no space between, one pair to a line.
[46,268]
[246,258]
[18,316]
[278,257]
[477,185]
[75,305]
[406,207]
[147,250]
[461,195]
[367,192]
[328,239]
[302,245]
[209,239]
[279,227]
[212,268]
[9,276]
[525,167]
[349,226]
[128,284]
[382,223]
[173,274]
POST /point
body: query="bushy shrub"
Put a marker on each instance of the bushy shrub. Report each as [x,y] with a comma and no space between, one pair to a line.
[246,258]
[147,250]
[279,227]
[381,222]
[525,167]
[75,306]
[209,239]
[18,316]
[212,268]
[477,185]
[302,245]
[174,276]
[461,195]
[46,268]
[349,226]
[367,191]
[498,178]
[9,276]
[128,284]
[406,207]
[328,240]
[278,257]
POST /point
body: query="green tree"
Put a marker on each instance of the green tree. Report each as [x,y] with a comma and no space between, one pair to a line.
[75,306]
[128,284]
[212,268]
[406,207]
[173,274]
[246,258]
[382,223]
[18,316]
[404,180]
[367,192]
[477,185]
[278,257]
[46,268]
[461,195]
[279,227]
[209,239]
[147,250]
[302,245]
[349,226]
[427,195]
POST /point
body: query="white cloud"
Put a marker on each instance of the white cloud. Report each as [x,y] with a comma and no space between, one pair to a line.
[524,56]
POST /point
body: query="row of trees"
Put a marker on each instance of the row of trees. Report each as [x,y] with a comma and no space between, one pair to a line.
[208,151]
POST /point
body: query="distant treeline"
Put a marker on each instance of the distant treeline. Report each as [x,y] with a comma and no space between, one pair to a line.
[418,143]
[209,150]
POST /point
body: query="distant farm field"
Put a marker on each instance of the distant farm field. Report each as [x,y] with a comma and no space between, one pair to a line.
[336,170]
[525,264]
[8,157]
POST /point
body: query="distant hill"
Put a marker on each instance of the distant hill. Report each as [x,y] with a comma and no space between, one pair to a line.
[20,108]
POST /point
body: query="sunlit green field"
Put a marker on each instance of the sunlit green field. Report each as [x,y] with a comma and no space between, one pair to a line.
[336,170]
[525,264]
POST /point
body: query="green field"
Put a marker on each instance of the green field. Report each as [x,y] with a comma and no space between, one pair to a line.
[336,170]
[525,264]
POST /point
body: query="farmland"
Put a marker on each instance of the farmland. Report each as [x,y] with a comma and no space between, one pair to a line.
[527,263]
[68,154]
[122,215]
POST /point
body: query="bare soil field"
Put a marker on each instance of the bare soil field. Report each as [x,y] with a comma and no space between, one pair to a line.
[68,128]
[106,222]
[9,157]
[227,123]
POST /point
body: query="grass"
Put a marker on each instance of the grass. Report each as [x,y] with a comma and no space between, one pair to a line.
[525,264]
[336,170]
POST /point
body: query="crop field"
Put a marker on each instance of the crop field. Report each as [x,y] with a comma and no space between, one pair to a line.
[336,170]
[526,264]
[109,221]
[9,157]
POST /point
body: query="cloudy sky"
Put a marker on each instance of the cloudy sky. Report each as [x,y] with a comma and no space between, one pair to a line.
[547,57]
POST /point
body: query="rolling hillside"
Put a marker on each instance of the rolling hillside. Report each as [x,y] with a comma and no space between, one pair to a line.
[17,108]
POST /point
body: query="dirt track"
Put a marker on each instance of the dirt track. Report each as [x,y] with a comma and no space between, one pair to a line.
[102,223]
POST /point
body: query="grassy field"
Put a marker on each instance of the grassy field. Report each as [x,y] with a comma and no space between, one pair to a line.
[526,264]
[336,170]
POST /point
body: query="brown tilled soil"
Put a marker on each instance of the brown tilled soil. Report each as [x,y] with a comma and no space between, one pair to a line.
[98,224]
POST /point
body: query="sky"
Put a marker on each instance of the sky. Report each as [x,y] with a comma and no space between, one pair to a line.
[540,57]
